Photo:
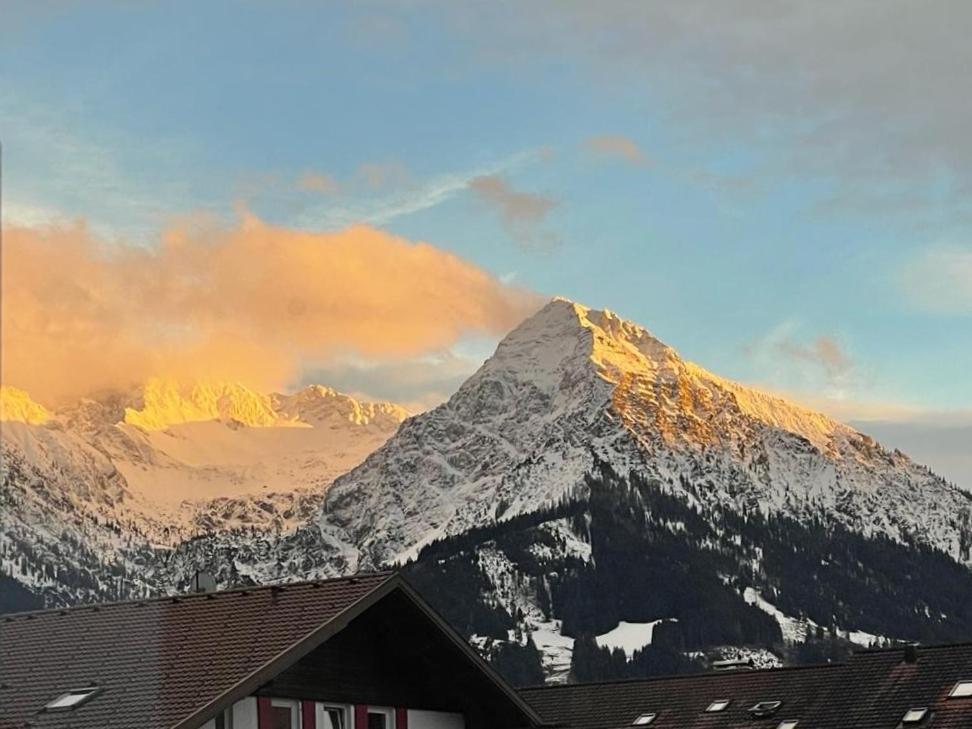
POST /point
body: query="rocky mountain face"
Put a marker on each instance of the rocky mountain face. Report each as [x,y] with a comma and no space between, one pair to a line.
[96,495]
[587,504]
[573,386]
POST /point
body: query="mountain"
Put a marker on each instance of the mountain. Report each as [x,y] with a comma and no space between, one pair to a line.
[572,387]
[93,491]
[586,505]
[589,504]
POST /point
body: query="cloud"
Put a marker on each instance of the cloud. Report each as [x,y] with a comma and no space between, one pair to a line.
[790,361]
[864,95]
[317,182]
[617,147]
[417,383]
[378,175]
[520,212]
[247,302]
[824,351]
[940,280]
[410,197]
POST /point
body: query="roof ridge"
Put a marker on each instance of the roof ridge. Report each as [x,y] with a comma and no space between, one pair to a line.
[179,596]
[919,646]
[692,676]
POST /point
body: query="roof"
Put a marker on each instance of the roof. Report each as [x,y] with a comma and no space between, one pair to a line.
[873,690]
[164,661]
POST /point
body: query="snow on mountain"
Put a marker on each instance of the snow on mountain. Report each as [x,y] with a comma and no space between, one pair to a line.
[571,385]
[89,489]
[17,406]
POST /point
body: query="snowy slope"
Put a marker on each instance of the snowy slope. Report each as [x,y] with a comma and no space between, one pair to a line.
[94,491]
[571,384]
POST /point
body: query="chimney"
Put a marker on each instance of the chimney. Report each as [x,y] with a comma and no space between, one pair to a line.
[203,581]
[911,653]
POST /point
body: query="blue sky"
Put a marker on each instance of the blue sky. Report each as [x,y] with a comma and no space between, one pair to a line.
[782,195]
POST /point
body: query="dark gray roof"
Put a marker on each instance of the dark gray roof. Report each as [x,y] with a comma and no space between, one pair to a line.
[873,690]
[159,662]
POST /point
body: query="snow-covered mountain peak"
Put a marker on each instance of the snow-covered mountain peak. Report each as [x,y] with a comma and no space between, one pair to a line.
[165,402]
[17,406]
[317,404]
[573,387]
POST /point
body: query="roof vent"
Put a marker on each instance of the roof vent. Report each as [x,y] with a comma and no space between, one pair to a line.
[911,653]
[764,709]
[203,581]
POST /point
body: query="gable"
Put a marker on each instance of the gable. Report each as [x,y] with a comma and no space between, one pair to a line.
[396,654]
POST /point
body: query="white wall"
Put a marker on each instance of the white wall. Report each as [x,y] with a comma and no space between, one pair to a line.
[433,720]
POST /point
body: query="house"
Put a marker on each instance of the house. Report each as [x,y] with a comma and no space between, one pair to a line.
[357,653]
[366,652]
[896,688]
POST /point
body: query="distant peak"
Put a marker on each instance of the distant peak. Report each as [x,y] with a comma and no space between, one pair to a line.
[166,402]
[16,405]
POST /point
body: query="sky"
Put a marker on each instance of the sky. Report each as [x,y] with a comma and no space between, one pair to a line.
[371,194]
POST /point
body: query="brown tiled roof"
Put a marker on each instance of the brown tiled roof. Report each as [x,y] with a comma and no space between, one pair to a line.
[161,661]
[873,690]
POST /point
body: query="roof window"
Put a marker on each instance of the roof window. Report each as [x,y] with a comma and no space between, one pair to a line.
[644,720]
[914,716]
[718,705]
[961,690]
[788,724]
[764,709]
[72,699]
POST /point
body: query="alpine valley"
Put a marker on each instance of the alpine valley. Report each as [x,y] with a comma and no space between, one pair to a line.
[587,505]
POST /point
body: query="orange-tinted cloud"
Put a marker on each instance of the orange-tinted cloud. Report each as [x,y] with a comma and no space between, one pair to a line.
[317,182]
[520,212]
[618,147]
[248,302]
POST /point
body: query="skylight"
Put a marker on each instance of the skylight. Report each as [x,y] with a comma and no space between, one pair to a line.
[787,724]
[644,719]
[718,705]
[961,690]
[914,716]
[764,709]
[72,699]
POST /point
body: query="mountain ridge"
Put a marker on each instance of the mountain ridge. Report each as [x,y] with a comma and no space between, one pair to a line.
[572,383]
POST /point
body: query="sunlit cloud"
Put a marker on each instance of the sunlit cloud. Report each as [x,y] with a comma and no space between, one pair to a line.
[520,212]
[408,196]
[793,361]
[616,146]
[247,302]
[319,182]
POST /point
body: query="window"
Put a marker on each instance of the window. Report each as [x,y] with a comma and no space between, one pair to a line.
[914,716]
[284,714]
[961,690]
[787,724]
[764,709]
[644,719]
[72,699]
[332,716]
[718,705]
[380,718]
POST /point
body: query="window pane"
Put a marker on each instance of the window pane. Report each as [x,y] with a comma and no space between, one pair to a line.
[282,717]
[333,718]
[377,721]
